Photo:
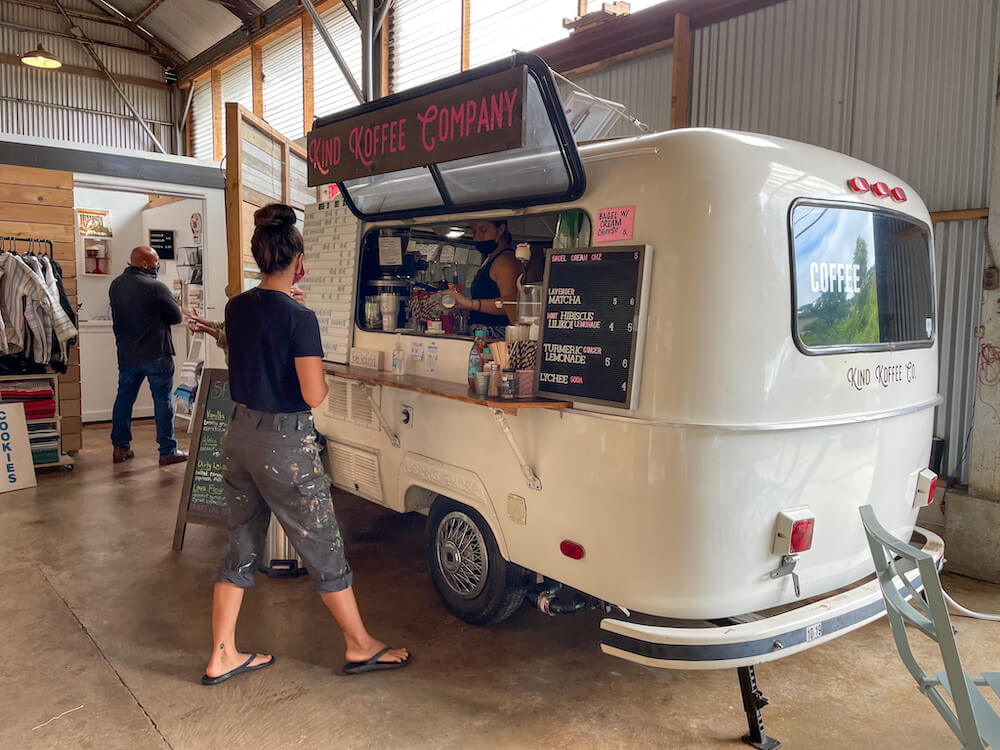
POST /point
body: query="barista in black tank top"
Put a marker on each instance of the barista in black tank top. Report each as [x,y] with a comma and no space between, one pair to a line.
[496,281]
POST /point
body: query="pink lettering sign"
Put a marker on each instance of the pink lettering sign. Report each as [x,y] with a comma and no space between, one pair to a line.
[615,224]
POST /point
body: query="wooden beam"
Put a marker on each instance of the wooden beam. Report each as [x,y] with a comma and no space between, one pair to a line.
[385,81]
[146,11]
[466,29]
[155,201]
[257,79]
[965,214]
[234,200]
[680,88]
[610,62]
[94,73]
[218,116]
[308,71]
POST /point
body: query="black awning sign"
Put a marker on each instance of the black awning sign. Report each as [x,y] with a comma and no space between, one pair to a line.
[482,116]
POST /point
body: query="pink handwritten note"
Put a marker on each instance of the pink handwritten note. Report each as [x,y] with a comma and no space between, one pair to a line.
[615,224]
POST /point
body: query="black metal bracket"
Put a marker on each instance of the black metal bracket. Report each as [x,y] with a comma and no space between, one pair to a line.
[753,702]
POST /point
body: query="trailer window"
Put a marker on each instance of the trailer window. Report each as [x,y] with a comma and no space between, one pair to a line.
[863,279]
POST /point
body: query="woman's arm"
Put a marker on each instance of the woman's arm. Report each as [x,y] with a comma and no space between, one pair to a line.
[311,380]
[504,272]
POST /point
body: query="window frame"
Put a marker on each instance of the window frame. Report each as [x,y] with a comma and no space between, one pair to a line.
[888,346]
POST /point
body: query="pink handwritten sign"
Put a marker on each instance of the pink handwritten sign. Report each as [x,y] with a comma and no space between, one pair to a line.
[482,116]
[615,224]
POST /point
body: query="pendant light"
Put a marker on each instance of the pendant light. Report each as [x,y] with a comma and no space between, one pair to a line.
[39,58]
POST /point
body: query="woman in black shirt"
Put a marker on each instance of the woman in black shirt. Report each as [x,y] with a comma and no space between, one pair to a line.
[271,461]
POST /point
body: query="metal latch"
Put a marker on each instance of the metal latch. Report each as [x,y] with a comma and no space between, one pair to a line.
[787,567]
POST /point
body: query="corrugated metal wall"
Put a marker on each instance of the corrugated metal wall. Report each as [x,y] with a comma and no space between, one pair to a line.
[497,26]
[904,84]
[959,252]
[282,68]
[71,107]
[330,90]
[643,85]
[202,138]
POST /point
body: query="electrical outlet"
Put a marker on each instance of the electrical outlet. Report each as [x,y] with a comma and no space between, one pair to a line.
[406,416]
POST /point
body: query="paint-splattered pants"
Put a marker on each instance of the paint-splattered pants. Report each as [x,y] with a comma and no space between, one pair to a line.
[271,464]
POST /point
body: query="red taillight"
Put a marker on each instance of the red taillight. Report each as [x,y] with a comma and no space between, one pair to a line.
[881,189]
[932,490]
[802,535]
[898,194]
[572,550]
[858,184]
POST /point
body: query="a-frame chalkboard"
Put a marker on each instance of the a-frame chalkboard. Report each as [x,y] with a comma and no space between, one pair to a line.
[202,494]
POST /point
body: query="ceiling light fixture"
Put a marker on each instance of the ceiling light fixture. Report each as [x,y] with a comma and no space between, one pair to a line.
[454,233]
[39,58]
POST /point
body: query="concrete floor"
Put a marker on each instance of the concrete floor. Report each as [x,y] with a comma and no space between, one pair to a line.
[97,610]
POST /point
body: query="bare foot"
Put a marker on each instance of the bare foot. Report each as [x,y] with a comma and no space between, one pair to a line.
[223,661]
[372,647]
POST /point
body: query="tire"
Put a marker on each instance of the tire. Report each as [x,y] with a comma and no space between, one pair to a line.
[476,584]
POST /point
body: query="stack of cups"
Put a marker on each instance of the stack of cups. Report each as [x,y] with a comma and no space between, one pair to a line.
[525,383]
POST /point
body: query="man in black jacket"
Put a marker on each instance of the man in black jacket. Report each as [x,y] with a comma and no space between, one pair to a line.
[143,310]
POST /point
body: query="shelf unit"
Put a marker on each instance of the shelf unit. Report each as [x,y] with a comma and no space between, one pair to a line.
[53,377]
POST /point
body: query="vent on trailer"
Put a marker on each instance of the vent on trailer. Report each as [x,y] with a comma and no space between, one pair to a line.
[356,470]
[347,402]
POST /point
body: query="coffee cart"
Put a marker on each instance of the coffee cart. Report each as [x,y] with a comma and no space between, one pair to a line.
[738,350]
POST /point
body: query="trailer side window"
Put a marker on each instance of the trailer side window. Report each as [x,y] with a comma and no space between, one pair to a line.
[863,279]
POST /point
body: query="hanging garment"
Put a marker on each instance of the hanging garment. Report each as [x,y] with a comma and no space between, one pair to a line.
[63,297]
[60,346]
[31,318]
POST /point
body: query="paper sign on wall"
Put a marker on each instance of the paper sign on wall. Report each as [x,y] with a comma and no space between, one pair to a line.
[461,255]
[417,350]
[17,470]
[390,251]
[448,254]
[615,224]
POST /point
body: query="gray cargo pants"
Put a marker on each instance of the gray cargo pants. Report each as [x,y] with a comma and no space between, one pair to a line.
[271,464]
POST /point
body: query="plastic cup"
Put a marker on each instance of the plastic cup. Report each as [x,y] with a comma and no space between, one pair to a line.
[388,322]
[482,384]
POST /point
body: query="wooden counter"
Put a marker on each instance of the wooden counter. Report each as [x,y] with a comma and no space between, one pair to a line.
[442,388]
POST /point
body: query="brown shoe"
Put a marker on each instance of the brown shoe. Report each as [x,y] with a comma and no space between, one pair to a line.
[122,454]
[175,458]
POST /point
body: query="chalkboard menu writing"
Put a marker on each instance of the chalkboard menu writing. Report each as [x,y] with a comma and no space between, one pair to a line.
[591,324]
[202,494]
[162,241]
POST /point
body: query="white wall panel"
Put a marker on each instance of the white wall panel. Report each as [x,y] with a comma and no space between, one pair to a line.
[282,68]
[202,137]
[237,86]
[426,43]
[497,27]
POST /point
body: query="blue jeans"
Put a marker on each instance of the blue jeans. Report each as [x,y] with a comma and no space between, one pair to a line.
[161,384]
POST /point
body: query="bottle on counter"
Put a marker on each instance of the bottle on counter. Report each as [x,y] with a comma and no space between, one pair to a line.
[399,357]
[476,356]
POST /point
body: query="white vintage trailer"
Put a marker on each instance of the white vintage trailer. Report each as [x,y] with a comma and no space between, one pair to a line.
[786,375]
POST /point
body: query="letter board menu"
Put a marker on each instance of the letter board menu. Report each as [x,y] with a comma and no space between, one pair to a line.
[331,237]
[203,494]
[591,332]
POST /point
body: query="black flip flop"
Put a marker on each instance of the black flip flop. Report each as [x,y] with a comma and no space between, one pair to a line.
[373,664]
[244,667]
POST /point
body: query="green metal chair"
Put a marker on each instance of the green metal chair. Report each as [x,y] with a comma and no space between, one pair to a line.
[973,720]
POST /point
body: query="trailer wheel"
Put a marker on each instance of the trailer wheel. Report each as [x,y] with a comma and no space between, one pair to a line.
[469,573]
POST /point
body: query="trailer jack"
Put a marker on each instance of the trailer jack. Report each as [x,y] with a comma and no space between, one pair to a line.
[753,702]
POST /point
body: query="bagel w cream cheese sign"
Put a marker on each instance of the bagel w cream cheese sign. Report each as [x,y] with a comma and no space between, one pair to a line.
[479,117]
[18,470]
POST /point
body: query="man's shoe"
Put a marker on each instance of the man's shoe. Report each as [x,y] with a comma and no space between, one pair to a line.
[175,458]
[122,454]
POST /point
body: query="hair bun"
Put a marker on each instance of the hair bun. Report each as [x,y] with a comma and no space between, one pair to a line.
[274,215]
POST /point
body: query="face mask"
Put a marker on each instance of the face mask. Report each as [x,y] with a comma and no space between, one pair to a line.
[300,274]
[486,246]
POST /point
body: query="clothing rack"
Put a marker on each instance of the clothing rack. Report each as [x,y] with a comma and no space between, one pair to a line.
[9,245]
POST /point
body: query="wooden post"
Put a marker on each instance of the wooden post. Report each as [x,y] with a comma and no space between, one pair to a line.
[466,28]
[383,45]
[257,79]
[234,198]
[308,83]
[680,91]
[218,118]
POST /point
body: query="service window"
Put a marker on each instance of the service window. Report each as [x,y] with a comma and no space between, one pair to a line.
[405,271]
[863,279]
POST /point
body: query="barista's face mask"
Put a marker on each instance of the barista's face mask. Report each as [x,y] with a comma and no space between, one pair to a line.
[486,246]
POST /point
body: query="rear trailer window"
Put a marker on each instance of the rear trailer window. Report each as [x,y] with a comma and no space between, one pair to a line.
[863,279]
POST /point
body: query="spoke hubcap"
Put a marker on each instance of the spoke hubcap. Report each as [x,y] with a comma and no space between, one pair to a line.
[461,553]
